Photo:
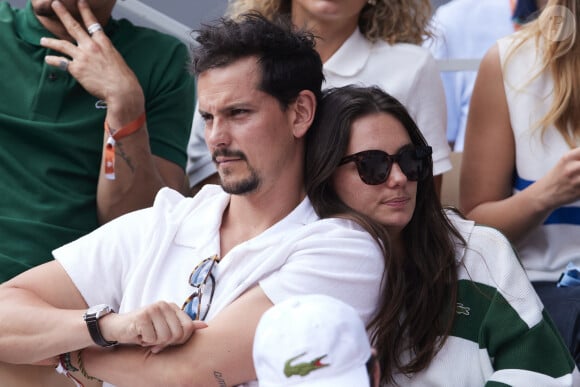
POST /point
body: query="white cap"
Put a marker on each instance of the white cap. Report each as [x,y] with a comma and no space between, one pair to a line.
[311,341]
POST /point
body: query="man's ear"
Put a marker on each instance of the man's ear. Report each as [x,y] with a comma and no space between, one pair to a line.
[304,111]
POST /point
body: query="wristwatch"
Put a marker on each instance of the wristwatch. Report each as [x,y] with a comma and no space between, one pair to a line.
[91,317]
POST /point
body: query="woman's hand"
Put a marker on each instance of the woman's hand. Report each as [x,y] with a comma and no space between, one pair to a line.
[561,184]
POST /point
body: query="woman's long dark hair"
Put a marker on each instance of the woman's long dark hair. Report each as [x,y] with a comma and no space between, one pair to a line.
[419,296]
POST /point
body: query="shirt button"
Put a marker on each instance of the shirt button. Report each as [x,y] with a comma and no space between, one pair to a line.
[52,76]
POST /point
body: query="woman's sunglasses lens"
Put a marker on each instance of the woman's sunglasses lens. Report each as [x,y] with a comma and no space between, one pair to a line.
[410,165]
[374,168]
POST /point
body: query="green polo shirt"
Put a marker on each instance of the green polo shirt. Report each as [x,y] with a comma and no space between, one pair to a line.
[51,132]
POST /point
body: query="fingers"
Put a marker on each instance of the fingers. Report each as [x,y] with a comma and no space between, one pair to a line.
[574,154]
[94,28]
[165,328]
[172,327]
[163,324]
[63,46]
[73,27]
[90,20]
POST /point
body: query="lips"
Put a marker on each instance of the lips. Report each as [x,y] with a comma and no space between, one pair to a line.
[220,160]
[396,201]
[222,156]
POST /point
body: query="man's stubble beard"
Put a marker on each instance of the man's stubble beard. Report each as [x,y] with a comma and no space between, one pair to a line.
[243,187]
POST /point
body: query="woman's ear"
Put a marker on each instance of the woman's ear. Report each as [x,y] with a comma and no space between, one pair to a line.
[304,112]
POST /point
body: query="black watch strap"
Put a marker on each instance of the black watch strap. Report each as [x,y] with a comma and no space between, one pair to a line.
[95,331]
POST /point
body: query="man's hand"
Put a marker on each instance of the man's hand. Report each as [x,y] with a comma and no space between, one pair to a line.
[157,326]
[94,62]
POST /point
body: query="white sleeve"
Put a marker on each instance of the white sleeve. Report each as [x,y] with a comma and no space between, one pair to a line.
[100,262]
[345,263]
[440,48]
[429,109]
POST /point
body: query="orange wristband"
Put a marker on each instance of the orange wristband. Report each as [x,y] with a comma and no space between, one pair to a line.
[125,131]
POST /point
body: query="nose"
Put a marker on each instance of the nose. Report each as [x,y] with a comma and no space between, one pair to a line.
[396,176]
[216,133]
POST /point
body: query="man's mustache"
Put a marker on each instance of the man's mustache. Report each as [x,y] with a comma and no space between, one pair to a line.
[227,153]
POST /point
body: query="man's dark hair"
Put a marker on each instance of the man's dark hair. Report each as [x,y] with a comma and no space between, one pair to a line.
[287,58]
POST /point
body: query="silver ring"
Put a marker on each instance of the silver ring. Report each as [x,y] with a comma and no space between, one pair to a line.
[63,65]
[94,28]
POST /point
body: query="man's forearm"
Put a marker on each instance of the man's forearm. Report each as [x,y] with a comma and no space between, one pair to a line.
[136,179]
[36,330]
[172,367]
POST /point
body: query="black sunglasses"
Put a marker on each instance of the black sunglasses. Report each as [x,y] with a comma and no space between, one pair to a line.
[374,166]
[198,303]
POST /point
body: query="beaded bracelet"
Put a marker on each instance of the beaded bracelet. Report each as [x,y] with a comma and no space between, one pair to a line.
[82,367]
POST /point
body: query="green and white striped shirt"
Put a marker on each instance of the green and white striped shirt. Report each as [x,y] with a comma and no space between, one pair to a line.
[501,335]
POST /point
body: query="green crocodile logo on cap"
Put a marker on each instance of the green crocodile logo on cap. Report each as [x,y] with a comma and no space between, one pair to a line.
[305,368]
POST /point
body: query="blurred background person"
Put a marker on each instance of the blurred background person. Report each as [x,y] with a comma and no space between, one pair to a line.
[61,86]
[521,164]
[465,29]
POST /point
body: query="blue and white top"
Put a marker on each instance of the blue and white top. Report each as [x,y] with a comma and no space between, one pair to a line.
[548,248]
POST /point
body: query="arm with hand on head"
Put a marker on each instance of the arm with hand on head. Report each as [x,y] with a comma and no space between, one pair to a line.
[102,71]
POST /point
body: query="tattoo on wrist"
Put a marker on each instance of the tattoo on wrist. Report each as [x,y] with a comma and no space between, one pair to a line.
[121,153]
[220,379]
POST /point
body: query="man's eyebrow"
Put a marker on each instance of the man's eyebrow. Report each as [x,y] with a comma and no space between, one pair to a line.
[229,107]
[204,115]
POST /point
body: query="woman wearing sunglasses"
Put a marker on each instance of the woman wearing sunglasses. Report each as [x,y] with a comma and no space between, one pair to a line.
[457,308]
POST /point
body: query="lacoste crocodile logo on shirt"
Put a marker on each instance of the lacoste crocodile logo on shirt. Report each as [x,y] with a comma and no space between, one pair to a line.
[462,309]
[100,104]
[304,368]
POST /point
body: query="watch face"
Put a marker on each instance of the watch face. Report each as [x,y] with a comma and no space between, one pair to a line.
[98,310]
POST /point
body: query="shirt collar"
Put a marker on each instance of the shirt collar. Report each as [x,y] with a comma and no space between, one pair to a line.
[351,57]
[465,228]
[211,212]
[29,28]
